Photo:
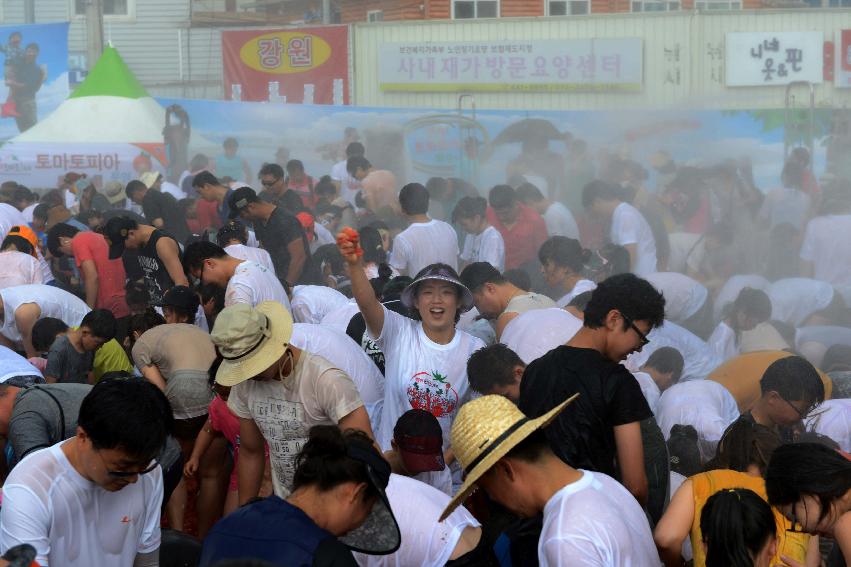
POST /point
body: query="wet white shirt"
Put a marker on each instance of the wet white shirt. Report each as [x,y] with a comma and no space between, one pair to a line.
[54,302]
[535,333]
[423,244]
[723,342]
[826,246]
[833,419]
[487,246]
[793,300]
[698,358]
[311,303]
[17,268]
[630,227]
[252,284]
[251,253]
[683,295]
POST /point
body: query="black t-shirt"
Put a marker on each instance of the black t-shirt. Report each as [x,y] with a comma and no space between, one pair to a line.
[158,205]
[583,434]
[157,278]
[275,235]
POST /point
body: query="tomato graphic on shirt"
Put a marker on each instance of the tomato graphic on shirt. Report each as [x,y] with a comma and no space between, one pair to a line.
[432,392]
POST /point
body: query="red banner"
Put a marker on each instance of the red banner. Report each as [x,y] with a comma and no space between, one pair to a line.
[305,65]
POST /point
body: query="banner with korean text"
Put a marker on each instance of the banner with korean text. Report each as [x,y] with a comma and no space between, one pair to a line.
[758,59]
[537,65]
[300,65]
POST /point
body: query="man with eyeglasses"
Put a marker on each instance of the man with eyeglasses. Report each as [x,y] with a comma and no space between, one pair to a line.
[791,389]
[602,432]
[95,499]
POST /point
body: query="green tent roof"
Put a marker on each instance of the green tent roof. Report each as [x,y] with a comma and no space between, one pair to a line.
[110,77]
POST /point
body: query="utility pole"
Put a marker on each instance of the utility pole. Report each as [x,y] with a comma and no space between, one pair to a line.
[29,11]
[94,31]
[326,11]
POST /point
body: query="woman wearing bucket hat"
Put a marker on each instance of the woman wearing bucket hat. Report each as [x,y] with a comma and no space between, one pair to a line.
[338,504]
[279,392]
[426,356]
[588,517]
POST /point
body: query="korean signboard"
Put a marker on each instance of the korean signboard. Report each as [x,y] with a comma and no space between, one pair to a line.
[769,59]
[842,77]
[303,65]
[537,65]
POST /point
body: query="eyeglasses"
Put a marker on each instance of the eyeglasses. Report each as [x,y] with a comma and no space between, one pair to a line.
[269,183]
[642,336]
[128,474]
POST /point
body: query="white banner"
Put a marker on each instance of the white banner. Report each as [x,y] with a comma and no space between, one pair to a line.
[769,59]
[537,65]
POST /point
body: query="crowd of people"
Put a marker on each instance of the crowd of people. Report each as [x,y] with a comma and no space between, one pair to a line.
[323,372]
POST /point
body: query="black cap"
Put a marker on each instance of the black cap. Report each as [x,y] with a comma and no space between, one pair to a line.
[115,232]
[181,297]
[240,199]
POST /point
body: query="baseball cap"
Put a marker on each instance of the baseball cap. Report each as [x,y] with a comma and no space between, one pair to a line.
[115,232]
[240,199]
[419,439]
[181,297]
[149,178]
[27,234]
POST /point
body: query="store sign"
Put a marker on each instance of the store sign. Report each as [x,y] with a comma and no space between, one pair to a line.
[769,59]
[537,65]
[842,78]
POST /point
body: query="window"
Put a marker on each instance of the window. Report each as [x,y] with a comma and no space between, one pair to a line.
[375,16]
[568,7]
[655,6]
[465,9]
[718,5]
[111,8]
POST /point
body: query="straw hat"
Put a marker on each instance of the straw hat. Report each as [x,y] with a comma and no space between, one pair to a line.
[114,192]
[250,339]
[484,431]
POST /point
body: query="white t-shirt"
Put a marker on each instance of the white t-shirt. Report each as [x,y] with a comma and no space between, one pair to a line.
[13,364]
[17,268]
[535,333]
[560,221]
[595,521]
[316,393]
[426,542]
[649,389]
[251,253]
[487,246]
[731,289]
[423,244]
[579,288]
[9,217]
[173,190]
[349,186]
[311,303]
[699,360]
[54,302]
[706,405]
[323,237]
[684,296]
[340,317]
[795,299]
[252,283]
[344,353]
[71,521]
[422,374]
[826,246]
[630,227]
[723,342]
[686,251]
[28,212]
[785,206]
[833,418]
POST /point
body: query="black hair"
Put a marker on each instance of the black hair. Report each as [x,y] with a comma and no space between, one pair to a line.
[492,366]
[355,149]
[136,293]
[101,322]
[753,303]
[373,249]
[325,187]
[134,187]
[837,357]
[564,252]
[198,161]
[529,193]
[324,461]
[468,207]
[683,450]
[291,202]
[20,243]
[215,293]
[477,274]
[21,193]
[42,210]
[204,178]
[519,278]
[502,196]
[804,469]
[635,298]
[736,524]
[667,360]
[599,189]
[230,142]
[413,198]
[143,322]
[329,254]
[580,301]
[385,275]
[743,444]
[357,162]
[57,231]
[794,379]
[197,252]
[272,169]
[45,331]
[233,230]
[295,165]
[327,208]
[131,415]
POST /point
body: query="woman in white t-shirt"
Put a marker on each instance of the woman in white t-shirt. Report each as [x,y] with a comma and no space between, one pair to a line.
[425,357]
[562,263]
[483,243]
